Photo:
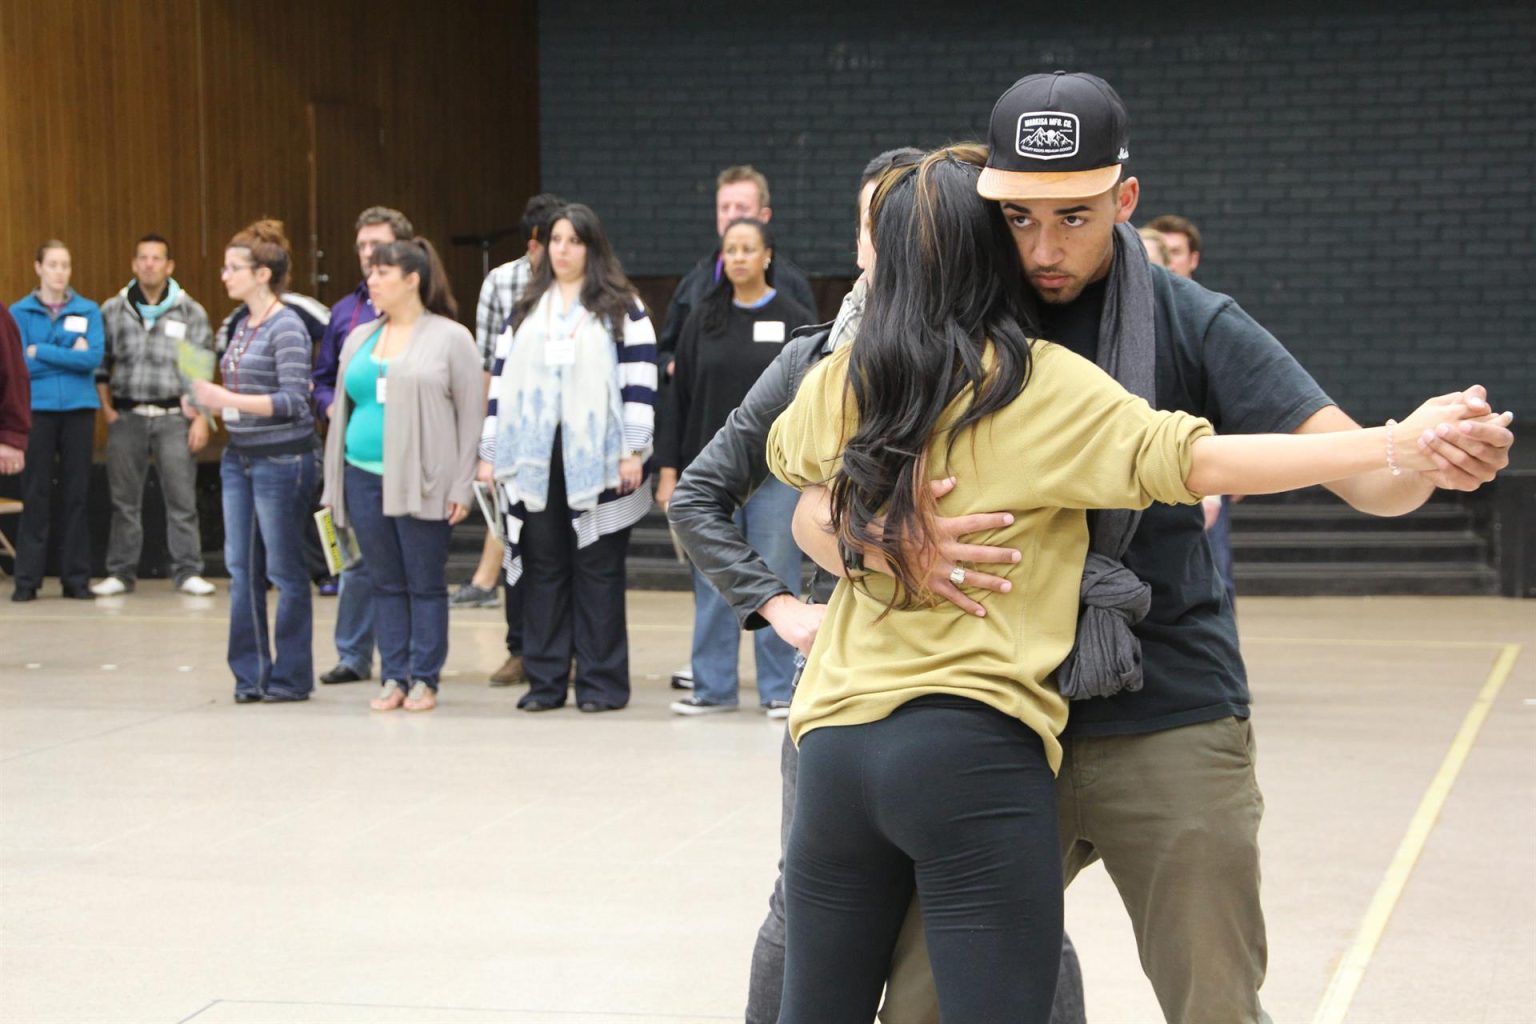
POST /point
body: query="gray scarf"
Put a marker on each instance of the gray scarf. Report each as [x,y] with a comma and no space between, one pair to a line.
[1106,657]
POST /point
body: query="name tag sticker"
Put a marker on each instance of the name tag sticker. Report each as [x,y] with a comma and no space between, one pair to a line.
[231,415]
[175,329]
[74,324]
[560,351]
[381,390]
[768,330]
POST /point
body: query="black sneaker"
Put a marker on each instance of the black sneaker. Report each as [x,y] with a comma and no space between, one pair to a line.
[700,706]
[343,674]
[470,596]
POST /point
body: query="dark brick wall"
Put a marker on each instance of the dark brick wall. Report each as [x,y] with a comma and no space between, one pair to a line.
[1363,179]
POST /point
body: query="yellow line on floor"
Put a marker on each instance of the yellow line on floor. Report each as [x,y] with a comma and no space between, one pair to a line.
[1347,978]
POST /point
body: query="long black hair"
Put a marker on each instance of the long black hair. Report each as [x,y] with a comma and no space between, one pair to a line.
[605,291]
[716,304]
[946,282]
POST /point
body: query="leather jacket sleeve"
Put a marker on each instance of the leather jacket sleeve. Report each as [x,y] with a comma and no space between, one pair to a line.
[726,473]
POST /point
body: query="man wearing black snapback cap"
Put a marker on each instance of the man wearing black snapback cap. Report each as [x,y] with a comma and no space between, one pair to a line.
[1157,776]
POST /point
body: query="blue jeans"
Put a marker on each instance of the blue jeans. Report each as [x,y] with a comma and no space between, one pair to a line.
[354,619]
[407,561]
[266,513]
[765,522]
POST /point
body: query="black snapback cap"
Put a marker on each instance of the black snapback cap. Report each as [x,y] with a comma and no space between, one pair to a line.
[1055,136]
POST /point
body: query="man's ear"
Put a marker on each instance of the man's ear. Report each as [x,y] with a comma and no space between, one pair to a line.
[1194,262]
[1130,195]
[170,267]
[765,214]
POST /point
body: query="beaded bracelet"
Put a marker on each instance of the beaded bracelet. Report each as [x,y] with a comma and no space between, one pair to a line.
[1392,450]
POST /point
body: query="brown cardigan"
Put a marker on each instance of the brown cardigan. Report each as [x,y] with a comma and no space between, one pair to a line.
[432,422]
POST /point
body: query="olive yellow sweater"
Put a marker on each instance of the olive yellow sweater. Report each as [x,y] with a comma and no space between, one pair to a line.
[1073,440]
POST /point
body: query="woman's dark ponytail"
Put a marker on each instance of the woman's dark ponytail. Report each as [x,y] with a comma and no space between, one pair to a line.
[418,256]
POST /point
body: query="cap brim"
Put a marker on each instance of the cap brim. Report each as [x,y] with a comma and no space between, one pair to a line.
[996,183]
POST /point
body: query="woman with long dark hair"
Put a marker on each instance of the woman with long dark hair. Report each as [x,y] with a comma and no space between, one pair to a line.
[730,339]
[927,734]
[400,459]
[268,471]
[572,422]
[63,341]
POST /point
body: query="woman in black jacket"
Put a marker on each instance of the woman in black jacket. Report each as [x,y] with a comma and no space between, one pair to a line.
[729,340]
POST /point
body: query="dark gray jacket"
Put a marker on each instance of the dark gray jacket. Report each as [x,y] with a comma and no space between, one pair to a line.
[728,471]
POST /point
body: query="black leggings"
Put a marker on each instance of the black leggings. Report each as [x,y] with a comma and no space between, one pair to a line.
[951,795]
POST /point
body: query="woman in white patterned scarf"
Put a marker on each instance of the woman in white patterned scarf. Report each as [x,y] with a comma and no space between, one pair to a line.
[574,408]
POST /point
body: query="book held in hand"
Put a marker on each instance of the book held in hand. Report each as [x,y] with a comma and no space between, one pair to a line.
[339,545]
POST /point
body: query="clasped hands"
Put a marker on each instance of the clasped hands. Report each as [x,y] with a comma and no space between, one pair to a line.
[1461,443]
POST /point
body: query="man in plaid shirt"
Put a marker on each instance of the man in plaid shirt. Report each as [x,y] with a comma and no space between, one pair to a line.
[140,381]
[497,295]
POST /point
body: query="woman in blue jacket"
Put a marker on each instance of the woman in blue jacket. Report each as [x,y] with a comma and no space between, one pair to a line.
[62,338]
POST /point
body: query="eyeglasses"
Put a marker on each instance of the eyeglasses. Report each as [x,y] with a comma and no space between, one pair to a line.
[235,268]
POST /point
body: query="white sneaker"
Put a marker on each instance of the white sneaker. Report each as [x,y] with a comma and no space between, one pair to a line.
[777,708]
[110,587]
[194,585]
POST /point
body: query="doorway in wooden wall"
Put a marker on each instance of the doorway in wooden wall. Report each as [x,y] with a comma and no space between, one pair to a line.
[347,174]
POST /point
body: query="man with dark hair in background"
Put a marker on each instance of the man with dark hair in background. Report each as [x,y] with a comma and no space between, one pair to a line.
[497,295]
[376,226]
[141,388]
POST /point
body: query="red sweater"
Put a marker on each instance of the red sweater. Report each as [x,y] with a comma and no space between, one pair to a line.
[15,385]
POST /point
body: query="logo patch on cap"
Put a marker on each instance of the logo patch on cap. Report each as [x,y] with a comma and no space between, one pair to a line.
[1047,135]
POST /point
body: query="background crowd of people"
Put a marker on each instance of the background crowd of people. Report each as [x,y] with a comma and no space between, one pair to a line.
[400,481]
[386,411]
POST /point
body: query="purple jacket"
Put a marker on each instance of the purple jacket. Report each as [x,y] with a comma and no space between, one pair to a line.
[355,309]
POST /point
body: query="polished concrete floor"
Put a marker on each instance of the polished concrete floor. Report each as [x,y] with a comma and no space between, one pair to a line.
[167,856]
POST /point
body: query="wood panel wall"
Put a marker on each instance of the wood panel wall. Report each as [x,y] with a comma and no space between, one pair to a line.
[188,118]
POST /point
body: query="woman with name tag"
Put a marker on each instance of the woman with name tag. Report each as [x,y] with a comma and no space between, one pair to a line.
[268,471]
[400,459]
[727,343]
[63,341]
[570,429]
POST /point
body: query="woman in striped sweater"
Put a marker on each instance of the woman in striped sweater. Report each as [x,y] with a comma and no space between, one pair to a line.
[568,434]
[269,471]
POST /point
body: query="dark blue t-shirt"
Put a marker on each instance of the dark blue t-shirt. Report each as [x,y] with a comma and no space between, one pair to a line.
[1213,360]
